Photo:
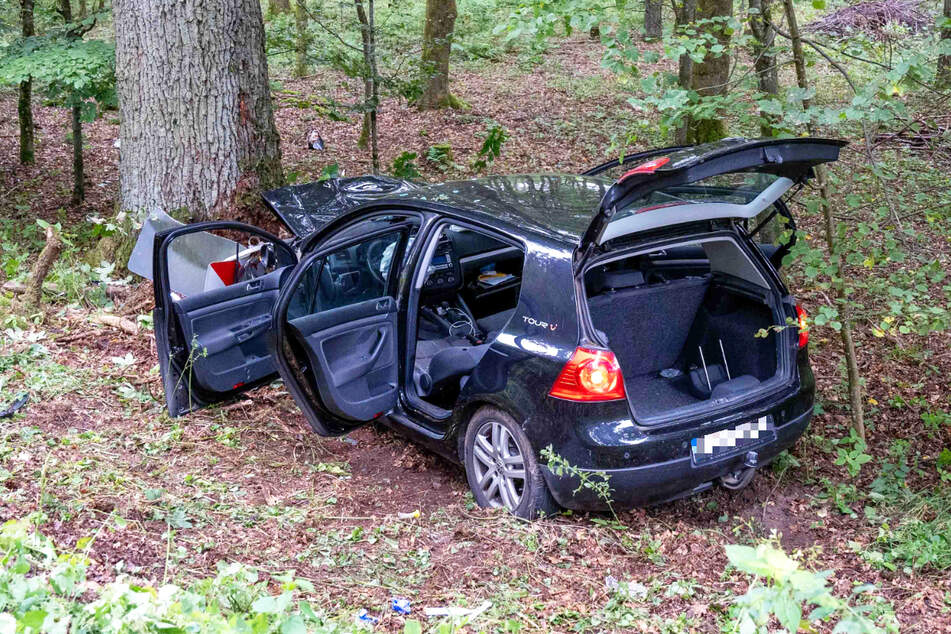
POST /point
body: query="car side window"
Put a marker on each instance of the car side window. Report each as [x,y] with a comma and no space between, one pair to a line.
[349,275]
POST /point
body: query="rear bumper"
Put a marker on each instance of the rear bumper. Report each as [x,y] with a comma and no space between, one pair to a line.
[662,481]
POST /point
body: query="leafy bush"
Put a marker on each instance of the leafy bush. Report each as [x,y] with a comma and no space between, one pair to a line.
[782,590]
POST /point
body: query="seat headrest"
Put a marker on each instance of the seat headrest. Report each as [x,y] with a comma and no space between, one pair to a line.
[623,279]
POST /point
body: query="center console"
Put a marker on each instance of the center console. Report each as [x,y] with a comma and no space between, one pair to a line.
[444,273]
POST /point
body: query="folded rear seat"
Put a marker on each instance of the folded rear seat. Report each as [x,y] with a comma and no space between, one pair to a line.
[647,325]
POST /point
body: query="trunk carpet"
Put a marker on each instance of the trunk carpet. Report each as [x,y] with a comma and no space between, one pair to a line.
[652,394]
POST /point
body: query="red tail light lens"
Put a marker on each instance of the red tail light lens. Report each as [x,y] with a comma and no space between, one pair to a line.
[803,320]
[590,375]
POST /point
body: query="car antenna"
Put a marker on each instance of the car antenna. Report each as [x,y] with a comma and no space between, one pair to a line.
[726,365]
[707,374]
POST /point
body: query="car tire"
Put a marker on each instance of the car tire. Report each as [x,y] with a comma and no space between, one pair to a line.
[502,468]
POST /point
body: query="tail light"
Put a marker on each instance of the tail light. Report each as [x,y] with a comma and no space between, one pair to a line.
[590,375]
[803,320]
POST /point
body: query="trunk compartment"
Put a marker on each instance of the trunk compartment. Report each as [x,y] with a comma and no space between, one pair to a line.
[683,334]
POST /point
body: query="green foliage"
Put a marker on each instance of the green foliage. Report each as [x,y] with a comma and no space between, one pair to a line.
[43,590]
[797,598]
[404,166]
[71,71]
[441,156]
[598,482]
[851,453]
[491,148]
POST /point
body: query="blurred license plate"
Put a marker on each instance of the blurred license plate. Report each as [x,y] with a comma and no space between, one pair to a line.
[725,442]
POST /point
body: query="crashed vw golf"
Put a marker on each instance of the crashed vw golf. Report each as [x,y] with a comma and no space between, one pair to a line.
[634,326]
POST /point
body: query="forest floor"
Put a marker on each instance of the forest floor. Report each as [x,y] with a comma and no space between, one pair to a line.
[168,499]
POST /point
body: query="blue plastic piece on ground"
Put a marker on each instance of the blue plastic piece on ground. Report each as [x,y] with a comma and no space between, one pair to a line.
[401,605]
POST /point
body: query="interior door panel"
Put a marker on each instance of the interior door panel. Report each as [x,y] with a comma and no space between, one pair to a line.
[353,350]
[226,332]
[213,310]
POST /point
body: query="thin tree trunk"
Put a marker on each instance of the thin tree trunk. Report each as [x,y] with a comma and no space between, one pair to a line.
[79,179]
[653,19]
[370,83]
[25,94]
[302,44]
[83,10]
[764,58]
[275,7]
[197,127]
[838,286]
[709,77]
[944,61]
[684,13]
[79,185]
[437,45]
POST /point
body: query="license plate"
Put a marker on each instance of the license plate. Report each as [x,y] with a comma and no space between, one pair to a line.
[725,442]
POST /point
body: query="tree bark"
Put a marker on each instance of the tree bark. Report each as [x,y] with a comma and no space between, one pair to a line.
[79,176]
[79,180]
[197,126]
[838,284]
[369,134]
[25,94]
[83,9]
[34,289]
[302,44]
[684,14]
[944,61]
[709,77]
[275,7]
[653,19]
[437,45]
[764,58]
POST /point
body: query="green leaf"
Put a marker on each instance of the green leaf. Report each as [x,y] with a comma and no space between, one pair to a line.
[412,627]
[788,613]
[293,625]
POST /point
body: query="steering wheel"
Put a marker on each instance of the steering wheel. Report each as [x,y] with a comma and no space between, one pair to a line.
[375,260]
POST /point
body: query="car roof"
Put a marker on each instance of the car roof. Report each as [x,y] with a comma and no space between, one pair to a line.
[555,206]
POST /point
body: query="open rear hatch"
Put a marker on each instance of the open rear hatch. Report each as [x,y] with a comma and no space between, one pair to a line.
[695,315]
[660,193]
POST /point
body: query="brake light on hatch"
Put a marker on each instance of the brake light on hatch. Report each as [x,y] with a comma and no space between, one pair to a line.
[803,321]
[646,168]
[590,375]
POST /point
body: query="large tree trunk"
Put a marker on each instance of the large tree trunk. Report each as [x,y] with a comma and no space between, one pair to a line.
[197,126]
[764,58]
[25,96]
[944,61]
[711,75]
[437,44]
[653,19]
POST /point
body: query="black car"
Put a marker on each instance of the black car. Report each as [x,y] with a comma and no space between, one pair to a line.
[634,327]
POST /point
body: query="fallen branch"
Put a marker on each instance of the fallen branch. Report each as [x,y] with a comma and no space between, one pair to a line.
[114,321]
[34,290]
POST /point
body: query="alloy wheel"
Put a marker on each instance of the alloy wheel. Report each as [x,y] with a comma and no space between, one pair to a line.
[499,465]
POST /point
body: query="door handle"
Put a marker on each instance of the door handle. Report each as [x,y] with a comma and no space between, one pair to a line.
[254,285]
[383,304]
